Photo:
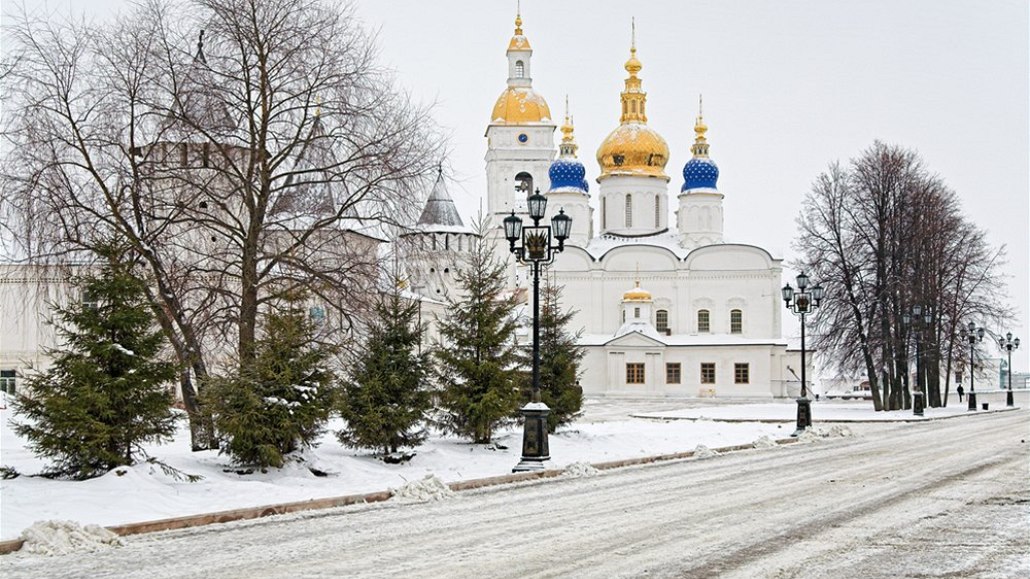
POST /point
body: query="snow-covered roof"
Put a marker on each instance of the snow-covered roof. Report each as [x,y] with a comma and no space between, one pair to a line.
[568,189]
[639,326]
[669,240]
[702,190]
[420,228]
[683,339]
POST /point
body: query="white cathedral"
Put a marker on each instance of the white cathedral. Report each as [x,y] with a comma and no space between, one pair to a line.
[664,311]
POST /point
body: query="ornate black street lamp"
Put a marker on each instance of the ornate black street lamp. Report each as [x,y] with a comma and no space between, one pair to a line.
[803,302]
[1007,343]
[536,248]
[974,335]
[917,321]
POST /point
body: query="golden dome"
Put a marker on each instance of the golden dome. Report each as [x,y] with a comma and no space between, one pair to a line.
[633,148]
[637,294]
[520,105]
[633,65]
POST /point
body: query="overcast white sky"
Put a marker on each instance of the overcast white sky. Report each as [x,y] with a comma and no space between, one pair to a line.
[788,87]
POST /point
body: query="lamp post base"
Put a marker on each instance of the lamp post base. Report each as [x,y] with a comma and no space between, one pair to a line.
[917,403]
[804,415]
[535,450]
[972,400]
[1009,400]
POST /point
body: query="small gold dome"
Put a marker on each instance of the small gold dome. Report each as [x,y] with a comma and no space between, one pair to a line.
[637,294]
[633,148]
[633,65]
[520,105]
[518,40]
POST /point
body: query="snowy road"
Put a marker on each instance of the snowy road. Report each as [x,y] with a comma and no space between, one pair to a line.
[947,498]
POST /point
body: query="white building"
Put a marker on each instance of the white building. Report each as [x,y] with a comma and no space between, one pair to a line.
[665,309]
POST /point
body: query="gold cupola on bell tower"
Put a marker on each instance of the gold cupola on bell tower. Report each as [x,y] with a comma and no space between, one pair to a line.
[519,104]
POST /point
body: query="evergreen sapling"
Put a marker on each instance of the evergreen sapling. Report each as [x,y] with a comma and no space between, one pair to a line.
[386,400]
[280,402]
[106,393]
[477,360]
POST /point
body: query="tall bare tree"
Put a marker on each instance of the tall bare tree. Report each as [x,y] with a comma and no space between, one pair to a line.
[883,234]
[243,148]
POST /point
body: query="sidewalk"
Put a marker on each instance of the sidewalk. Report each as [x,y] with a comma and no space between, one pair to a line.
[786,411]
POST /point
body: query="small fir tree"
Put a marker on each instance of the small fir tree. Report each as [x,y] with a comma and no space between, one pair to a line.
[106,392]
[280,403]
[560,355]
[386,400]
[477,358]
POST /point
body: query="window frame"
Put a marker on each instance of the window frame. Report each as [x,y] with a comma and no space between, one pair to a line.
[736,321]
[708,366]
[635,373]
[661,320]
[739,369]
[673,370]
[9,382]
[707,328]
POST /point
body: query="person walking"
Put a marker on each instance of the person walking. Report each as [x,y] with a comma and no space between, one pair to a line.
[960,391]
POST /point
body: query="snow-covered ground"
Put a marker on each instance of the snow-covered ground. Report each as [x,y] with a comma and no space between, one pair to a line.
[608,431]
[926,499]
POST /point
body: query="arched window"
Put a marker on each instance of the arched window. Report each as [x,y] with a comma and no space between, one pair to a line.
[524,183]
[703,322]
[604,214]
[657,210]
[636,313]
[520,69]
[629,210]
[661,320]
[736,322]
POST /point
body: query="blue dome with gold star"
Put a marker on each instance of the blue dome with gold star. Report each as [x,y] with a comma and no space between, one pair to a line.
[568,173]
[700,173]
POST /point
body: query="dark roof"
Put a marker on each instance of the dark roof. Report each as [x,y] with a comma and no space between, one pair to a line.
[440,209]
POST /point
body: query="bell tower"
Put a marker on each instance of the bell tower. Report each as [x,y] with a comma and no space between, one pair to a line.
[520,136]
